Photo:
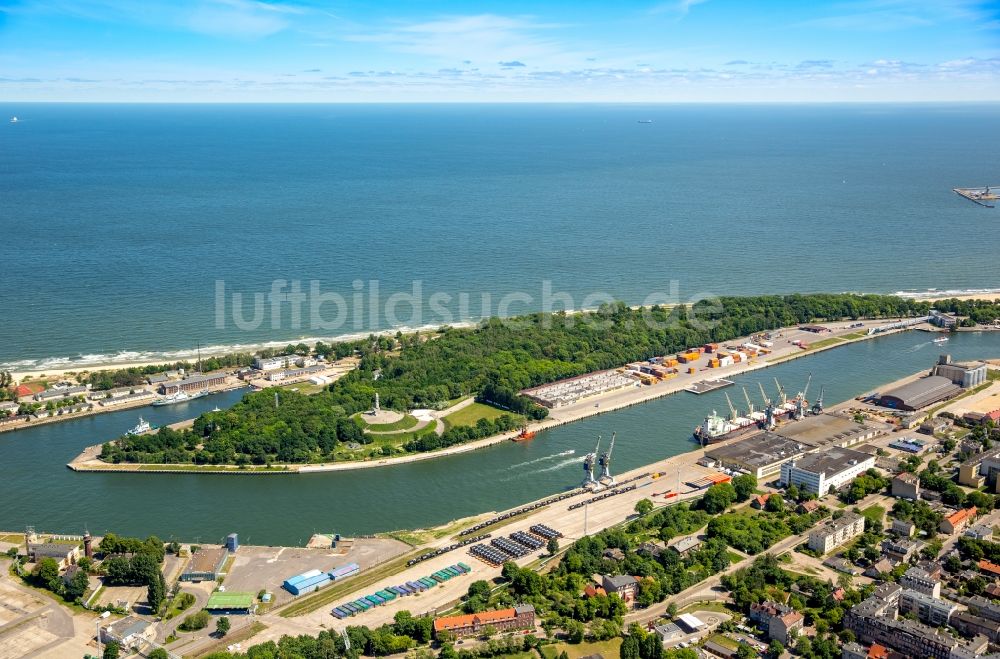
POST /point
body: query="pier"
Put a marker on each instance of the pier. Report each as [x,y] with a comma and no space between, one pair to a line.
[705,386]
[982,196]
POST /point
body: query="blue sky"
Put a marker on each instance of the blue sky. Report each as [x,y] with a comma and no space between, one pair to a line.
[420,51]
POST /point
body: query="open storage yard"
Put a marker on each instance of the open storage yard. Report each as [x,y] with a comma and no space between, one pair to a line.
[265,568]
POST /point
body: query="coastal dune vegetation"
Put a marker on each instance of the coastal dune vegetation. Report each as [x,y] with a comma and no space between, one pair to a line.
[492,361]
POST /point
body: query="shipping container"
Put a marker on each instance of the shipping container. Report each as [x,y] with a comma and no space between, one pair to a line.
[338,614]
[375,599]
[416,585]
[363,604]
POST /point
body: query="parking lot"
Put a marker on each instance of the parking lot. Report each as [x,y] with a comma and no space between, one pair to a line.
[265,568]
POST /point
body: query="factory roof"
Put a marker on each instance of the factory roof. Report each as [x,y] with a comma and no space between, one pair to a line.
[127,626]
[758,450]
[924,391]
[825,429]
[207,559]
[831,461]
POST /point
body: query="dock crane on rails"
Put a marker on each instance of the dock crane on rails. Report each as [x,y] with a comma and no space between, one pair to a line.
[589,461]
[605,462]
[800,400]
[769,422]
[817,407]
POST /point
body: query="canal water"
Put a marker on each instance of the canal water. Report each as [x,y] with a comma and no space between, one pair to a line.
[40,491]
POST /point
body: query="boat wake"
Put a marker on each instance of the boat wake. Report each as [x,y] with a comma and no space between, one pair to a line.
[562,454]
[557,466]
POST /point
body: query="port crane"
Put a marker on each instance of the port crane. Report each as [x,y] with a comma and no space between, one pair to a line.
[768,408]
[589,461]
[817,407]
[781,392]
[800,399]
[732,408]
[605,463]
[750,409]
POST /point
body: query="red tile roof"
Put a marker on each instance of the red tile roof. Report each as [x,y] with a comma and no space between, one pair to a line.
[960,516]
[877,651]
[483,618]
[986,566]
[592,591]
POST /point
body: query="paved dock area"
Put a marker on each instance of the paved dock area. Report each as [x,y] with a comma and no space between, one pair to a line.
[706,386]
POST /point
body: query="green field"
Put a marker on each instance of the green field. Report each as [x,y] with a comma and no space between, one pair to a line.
[823,343]
[609,649]
[468,415]
[233,600]
[408,421]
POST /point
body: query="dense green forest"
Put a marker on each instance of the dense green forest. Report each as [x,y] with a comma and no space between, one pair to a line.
[492,361]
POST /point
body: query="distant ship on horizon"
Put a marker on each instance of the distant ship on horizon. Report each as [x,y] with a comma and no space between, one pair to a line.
[645,121]
[14,120]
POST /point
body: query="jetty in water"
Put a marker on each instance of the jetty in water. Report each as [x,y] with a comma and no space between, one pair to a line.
[982,196]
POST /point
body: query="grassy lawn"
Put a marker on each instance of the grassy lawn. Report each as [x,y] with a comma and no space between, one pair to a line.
[717,607]
[874,513]
[468,415]
[607,648]
[234,637]
[822,343]
[854,335]
[408,421]
[724,641]
[734,557]
[328,595]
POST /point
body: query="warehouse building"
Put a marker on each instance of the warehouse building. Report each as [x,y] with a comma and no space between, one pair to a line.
[920,393]
[206,564]
[821,472]
[829,430]
[306,582]
[761,455]
[196,382]
[964,375]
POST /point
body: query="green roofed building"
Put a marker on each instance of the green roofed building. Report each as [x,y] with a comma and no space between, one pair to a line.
[231,602]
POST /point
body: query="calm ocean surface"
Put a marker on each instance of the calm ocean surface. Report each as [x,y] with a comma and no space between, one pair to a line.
[118,220]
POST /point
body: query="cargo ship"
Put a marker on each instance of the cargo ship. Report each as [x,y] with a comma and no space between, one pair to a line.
[716,428]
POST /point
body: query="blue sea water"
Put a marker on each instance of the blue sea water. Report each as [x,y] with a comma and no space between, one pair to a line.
[118,221]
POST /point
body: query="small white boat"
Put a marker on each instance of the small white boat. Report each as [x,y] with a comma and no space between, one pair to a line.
[141,427]
[14,120]
[941,339]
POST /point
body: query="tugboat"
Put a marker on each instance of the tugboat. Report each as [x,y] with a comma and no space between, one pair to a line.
[524,435]
[140,428]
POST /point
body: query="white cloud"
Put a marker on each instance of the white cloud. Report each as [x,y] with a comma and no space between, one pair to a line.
[484,37]
[679,8]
